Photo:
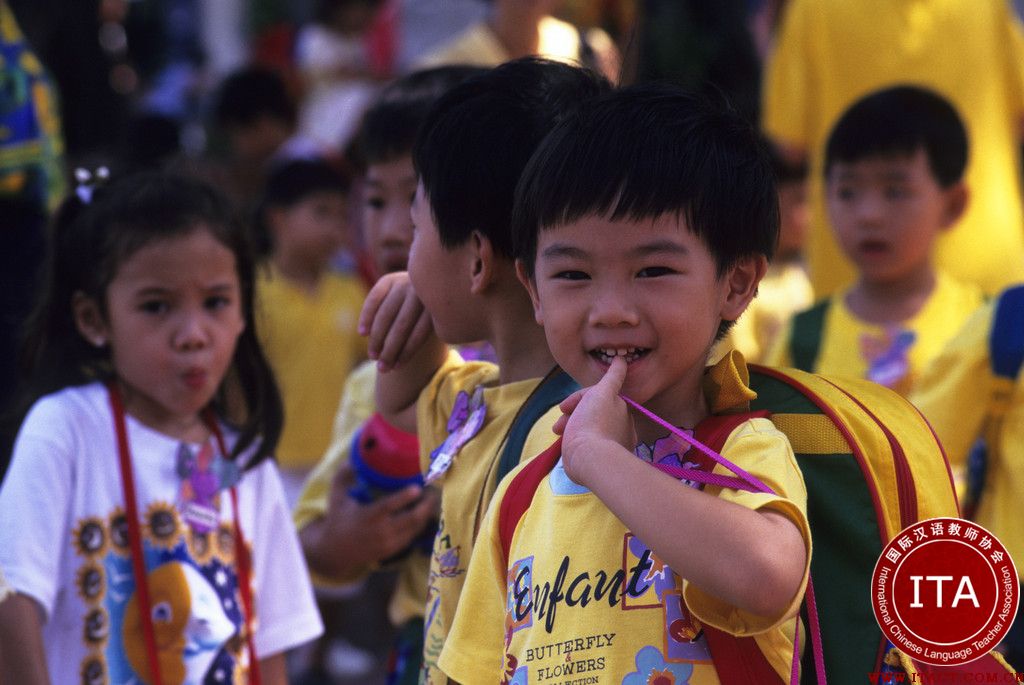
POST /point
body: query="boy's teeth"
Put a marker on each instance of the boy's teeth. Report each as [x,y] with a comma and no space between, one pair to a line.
[630,354]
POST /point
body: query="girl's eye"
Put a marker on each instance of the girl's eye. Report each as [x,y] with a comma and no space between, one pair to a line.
[654,271]
[844,193]
[375,202]
[153,306]
[571,275]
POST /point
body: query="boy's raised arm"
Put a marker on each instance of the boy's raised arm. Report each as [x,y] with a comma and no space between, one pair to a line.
[402,340]
[754,560]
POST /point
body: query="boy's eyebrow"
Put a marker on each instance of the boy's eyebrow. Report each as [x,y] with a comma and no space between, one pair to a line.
[659,247]
[563,250]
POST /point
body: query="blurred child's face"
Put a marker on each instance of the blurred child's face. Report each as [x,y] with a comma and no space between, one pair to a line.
[257,142]
[173,317]
[644,290]
[887,213]
[311,231]
[441,277]
[390,187]
[794,218]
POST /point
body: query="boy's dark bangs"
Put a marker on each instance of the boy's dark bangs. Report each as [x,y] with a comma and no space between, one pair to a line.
[612,177]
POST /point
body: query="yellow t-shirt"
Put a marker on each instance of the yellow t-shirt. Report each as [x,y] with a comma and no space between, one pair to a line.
[955,395]
[600,602]
[357,406]
[784,291]
[311,343]
[892,356]
[468,484]
[829,53]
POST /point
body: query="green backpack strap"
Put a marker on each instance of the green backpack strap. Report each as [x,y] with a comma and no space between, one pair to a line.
[552,389]
[805,336]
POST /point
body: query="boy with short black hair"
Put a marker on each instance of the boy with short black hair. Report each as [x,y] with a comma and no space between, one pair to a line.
[894,167]
[643,226]
[461,288]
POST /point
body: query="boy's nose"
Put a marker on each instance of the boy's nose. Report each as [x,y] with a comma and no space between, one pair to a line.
[613,309]
[396,228]
[870,208]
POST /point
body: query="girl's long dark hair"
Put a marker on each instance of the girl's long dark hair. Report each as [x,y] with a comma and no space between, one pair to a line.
[90,241]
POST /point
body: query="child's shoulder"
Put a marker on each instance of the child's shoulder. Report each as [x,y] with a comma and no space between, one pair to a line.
[73,404]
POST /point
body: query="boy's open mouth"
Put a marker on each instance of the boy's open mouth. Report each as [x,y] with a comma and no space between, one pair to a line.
[605,355]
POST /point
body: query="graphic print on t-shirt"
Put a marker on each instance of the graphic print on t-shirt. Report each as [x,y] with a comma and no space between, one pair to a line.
[194,600]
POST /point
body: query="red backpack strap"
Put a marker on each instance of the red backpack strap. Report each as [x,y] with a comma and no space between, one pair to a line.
[738,660]
[520,491]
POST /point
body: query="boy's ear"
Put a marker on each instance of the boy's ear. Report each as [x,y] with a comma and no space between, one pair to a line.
[89,320]
[483,263]
[531,287]
[740,284]
[957,197]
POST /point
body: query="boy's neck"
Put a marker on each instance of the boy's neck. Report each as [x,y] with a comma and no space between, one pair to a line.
[520,348]
[298,272]
[891,302]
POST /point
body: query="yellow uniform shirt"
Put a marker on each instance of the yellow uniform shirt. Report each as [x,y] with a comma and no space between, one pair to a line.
[468,484]
[830,53]
[311,343]
[891,356]
[955,395]
[602,605]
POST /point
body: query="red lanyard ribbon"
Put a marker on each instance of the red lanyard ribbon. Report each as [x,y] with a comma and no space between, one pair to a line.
[244,561]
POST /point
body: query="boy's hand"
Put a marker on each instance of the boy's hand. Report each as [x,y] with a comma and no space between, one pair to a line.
[395,321]
[352,536]
[591,416]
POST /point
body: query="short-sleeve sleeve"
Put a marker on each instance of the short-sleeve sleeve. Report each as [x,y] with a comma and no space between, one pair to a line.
[436,400]
[35,503]
[761,449]
[285,608]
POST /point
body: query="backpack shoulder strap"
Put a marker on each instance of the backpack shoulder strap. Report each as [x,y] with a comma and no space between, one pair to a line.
[805,336]
[520,493]
[552,389]
[737,660]
[1006,341]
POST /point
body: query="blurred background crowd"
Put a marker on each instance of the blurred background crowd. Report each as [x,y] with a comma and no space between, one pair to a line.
[227,89]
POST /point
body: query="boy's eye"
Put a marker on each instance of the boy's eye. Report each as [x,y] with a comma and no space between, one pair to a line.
[375,202]
[896,192]
[571,275]
[216,302]
[654,271]
[845,193]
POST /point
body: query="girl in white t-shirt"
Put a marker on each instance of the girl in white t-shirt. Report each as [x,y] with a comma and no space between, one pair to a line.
[144,456]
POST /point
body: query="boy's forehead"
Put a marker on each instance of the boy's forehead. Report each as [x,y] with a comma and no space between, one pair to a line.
[600,231]
[609,224]
[893,163]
